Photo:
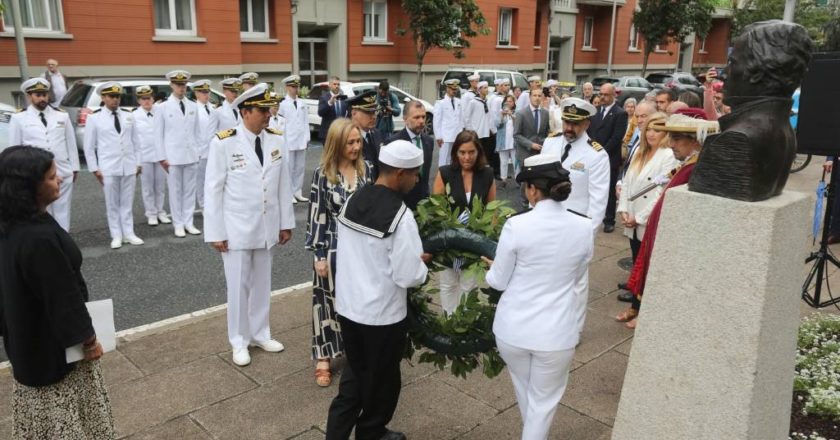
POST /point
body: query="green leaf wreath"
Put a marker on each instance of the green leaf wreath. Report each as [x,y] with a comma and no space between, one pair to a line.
[464,337]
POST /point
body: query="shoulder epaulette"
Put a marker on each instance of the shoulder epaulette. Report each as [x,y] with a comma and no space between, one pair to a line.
[127,110]
[595,146]
[577,213]
[224,134]
[57,109]
[20,110]
[555,134]
[273,131]
[524,211]
[97,110]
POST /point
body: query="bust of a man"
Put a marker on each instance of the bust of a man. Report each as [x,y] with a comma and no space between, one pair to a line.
[751,157]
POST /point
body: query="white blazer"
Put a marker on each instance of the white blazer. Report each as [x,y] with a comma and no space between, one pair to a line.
[144,125]
[58,137]
[297,123]
[227,115]
[245,203]
[542,256]
[177,133]
[112,153]
[448,122]
[634,180]
[208,125]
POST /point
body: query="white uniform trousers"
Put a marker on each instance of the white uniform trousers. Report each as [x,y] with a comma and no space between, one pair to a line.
[60,209]
[539,380]
[582,299]
[445,151]
[297,166]
[248,280]
[153,188]
[119,201]
[199,182]
[453,285]
[182,193]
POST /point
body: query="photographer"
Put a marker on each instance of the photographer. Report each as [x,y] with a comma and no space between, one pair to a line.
[387,106]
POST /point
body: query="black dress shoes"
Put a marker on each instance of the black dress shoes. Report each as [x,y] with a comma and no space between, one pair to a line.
[393,435]
[622,286]
[608,228]
[625,297]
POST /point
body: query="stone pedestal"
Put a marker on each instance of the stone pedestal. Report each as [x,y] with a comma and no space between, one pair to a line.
[713,355]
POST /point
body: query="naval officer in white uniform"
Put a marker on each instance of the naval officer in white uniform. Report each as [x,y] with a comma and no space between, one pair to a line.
[49,128]
[589,170]
[541,257]
[208,126]
[177,131]
[153,177]
[297,135]
[226,114]
[448,120]
[247,210]
[111,144]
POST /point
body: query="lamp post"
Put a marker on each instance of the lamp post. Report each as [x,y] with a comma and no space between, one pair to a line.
[790,5]
[612,40]
[23,62]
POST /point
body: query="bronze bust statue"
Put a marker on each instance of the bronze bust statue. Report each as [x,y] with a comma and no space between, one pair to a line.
[750,158]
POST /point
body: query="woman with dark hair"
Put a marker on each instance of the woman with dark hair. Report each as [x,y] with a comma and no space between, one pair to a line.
[42,309]
[542,256]
[466,178]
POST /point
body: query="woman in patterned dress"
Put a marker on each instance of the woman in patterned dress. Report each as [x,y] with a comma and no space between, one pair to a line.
[342,171]
[42,310]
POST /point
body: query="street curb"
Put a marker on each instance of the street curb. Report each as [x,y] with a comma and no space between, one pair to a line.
[139,332]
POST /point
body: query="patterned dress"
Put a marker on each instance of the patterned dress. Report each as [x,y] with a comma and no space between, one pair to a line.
[325,202]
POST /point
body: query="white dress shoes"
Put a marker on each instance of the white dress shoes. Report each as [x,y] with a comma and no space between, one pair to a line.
[179,232]
[133,240]
[192,230]
[241,357]
[271,345]
[116,243]
[164,218]
[300,198]
[153,221]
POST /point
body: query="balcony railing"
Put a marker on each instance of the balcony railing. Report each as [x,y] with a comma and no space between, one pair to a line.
[564,4]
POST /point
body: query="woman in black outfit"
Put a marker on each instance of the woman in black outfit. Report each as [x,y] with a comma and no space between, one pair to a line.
[466,179]
[42,309]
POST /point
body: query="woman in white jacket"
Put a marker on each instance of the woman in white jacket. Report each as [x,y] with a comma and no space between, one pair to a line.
[643,183]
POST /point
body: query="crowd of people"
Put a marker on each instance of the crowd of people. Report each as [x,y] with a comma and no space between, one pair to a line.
[579,167]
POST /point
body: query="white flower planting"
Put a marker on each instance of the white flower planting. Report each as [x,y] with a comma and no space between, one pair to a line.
[818,370]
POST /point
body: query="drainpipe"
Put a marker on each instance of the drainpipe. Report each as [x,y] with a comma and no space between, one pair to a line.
[23,63]
[790,5]
[612,41]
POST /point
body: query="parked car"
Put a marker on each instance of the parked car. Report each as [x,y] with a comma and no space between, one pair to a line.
[598,81]
[631,87]
[353,89]
[6,112]
[678,81]
[516,79]
[81,99]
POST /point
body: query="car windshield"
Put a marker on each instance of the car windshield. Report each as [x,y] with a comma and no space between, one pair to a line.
[317,91]
[598,82]
[658,78]
[76,96]
[520,81]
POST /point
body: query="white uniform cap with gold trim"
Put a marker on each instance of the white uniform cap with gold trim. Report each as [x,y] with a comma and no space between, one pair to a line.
[257,96]
[292,80]
[249,77]
[202,85]
[401,154]
[453,83]
[576,109]
[110,88]
[178,76]
[35,85]
[231,84]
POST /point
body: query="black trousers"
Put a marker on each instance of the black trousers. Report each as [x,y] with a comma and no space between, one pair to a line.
[609,216]
[370,382]
[488,144]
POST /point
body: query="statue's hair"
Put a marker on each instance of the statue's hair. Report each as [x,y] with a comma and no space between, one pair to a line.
[776,55]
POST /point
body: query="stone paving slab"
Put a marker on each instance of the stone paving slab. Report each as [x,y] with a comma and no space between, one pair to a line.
[497,392]
[594,389]
[182,428]
[600,330]
[567,424]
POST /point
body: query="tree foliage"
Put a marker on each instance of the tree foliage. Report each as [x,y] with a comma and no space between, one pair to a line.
[445,24]
[811,14]
[666,21]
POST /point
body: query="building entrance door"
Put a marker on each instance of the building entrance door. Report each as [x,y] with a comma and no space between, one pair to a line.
[312,56]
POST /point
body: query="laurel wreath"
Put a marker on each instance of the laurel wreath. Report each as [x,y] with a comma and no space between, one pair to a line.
[463,339]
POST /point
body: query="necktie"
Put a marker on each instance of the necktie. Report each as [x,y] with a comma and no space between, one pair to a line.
[337,108]
[295,103]
[116,121]
[258,150]
[565,152]
[235,114]
[183,111]
[420,146]
[453,103]
[43,119]
[149,114]
[207,109]
[485,105]
[537,119]
[369,139]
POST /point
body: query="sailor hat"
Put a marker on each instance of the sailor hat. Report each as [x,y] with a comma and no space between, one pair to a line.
[401,154]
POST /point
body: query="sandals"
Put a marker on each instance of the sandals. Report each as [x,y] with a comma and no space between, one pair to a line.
[628,314]
[631,324]
[323,375]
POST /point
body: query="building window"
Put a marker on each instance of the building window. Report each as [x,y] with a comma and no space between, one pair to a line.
[174,17]
[253,18]
[36,16]
[634,38]
[505,27]
[588,31]
[376,20]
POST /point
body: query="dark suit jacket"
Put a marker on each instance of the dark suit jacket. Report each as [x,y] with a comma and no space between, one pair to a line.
[421,190]
[609,132]
[327,113]
[525,134]
[371,151]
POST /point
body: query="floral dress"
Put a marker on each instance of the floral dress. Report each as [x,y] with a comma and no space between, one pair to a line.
[325,202]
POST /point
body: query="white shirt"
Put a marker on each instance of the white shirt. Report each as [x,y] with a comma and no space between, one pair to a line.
[144,125]
[246,203]
[58,137]
[373,273]
[227,116]
[297,123]
[447,121]
[58,85]
[524,100]
[177,132]
[208,125]
[589,171]
[494,102]
[111,153]
[542,255]
[477,119]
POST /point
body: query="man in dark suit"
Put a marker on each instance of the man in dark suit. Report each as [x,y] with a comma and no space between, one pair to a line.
[363,116]
[530,128]
[415,121]
[331,105]
[608,128]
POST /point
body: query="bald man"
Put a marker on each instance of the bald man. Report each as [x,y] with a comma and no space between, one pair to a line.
[58,83]
[607,128]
